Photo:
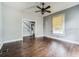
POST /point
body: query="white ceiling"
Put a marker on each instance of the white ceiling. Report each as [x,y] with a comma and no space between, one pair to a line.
[20,5]
[58,6]
[55,6]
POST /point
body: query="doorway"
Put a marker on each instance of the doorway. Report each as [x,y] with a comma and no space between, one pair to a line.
[29,28]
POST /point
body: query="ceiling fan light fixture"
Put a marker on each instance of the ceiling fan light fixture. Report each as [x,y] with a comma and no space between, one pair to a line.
[43,9]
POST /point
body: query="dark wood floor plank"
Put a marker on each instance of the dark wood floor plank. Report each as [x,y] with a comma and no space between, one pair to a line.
[39,47]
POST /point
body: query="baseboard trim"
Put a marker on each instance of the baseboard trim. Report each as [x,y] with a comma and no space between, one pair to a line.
[1,46]
[60,39]
[39,36]
[13,40]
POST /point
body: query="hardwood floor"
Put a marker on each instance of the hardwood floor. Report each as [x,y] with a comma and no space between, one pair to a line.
[39,47]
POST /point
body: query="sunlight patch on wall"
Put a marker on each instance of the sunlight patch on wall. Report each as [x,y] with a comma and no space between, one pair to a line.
[58,24]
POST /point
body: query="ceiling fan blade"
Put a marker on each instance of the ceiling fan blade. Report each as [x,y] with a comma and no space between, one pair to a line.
[47,7]
[48,11]
[38,7]
[38,11]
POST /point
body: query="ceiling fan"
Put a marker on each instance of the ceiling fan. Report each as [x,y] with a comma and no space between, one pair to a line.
[43,9]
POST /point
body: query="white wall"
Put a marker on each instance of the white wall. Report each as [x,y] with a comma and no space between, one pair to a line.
[12,24]
[1,25]
[37,17]
[71,25]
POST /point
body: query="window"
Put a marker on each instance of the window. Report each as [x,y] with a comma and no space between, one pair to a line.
[58,24]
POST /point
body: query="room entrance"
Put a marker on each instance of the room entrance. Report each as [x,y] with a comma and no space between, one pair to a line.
[29,28]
